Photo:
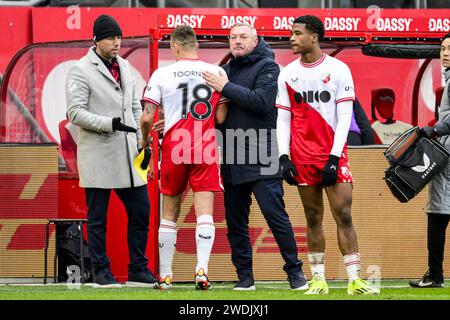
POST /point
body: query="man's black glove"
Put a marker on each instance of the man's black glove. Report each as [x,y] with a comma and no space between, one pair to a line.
[119,126]
[288,170]
[147,155]
[330,171]
[428,132]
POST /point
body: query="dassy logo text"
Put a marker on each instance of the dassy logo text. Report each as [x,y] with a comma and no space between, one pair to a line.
[194,21]
[226,22]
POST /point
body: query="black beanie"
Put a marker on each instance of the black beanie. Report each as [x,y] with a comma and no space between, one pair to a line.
[106,26]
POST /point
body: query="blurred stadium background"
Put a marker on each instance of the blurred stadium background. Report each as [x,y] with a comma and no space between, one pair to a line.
[38,177]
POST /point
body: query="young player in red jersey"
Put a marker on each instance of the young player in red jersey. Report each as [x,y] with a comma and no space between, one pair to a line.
[315,101]
[189,148]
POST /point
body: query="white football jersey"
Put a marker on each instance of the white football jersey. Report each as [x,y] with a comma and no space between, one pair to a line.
[188,103]
[311,92]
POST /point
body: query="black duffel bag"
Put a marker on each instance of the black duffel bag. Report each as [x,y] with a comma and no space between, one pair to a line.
[414,161]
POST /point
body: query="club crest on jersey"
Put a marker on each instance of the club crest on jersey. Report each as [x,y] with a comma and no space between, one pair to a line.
[326,77]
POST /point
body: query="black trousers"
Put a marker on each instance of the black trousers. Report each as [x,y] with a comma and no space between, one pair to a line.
[437,226]
[354,139]
[137,206]
[269,195]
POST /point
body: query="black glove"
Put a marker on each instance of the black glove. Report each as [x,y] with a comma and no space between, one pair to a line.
[288,170]
[330,171]
[147,155]
[428,132]
[119,126]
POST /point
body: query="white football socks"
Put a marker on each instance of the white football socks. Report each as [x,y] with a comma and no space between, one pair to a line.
[316,262]
[167,239]
[204,237]
[353,266]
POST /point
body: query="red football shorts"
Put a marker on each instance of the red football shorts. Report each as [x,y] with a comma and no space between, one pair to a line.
[201,177]
[311,174]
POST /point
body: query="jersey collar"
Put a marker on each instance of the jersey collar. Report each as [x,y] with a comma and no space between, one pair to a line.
[188,59]
[313,64]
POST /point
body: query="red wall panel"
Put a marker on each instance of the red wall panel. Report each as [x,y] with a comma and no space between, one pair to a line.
[15,33]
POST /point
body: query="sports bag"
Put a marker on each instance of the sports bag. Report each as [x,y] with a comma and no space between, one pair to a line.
[69,252]
[414,161]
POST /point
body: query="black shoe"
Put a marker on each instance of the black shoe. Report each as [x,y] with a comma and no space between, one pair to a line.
[426,282]
[246,282]
[297,280]
[105,279]
[141,279]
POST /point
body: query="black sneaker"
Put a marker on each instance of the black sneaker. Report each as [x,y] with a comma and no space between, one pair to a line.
[105,279]
[297,280]
[246,282]
[141,279]
[426,282]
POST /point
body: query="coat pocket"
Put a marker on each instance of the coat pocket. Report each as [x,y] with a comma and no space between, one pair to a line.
[105,137]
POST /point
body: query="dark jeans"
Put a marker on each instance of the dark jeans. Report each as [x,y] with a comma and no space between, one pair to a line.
[269,195]
[437,226]
[137,206]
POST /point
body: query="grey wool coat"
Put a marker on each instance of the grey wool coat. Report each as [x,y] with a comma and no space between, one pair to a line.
[439,192]
[94,98]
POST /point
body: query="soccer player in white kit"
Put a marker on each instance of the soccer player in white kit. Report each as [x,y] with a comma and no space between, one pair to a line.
[188,149]
[315,101]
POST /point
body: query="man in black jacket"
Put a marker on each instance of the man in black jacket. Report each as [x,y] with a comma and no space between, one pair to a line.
[250,153]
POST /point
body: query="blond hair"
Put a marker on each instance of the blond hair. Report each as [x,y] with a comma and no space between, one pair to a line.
[253,31]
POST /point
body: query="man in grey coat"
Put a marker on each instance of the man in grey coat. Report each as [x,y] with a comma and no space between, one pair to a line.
[438,207]
[103,102]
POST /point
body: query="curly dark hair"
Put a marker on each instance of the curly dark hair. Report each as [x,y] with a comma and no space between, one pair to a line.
[446,36]
[313,24]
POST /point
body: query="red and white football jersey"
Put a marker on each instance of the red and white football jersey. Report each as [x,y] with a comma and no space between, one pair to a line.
[312,93]
[189,110]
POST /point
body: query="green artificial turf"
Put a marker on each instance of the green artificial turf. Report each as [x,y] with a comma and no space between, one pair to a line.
[390,290]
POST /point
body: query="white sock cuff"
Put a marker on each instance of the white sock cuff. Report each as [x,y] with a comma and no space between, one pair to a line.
[168,226]
[316,257]
[205,219]
[168,223]
[353,257]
